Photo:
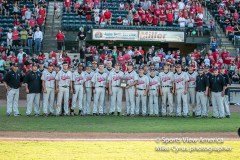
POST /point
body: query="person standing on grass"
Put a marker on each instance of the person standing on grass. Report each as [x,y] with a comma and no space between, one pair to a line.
[12,82]
[48,84]
[33,86]
[78,79]
[202,89]
[63,85]
[60,40]
[115,90]
[225,99]
[217,86]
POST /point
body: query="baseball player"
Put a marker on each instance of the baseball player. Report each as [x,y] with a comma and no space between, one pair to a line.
[48,84]
[88,74]
[99,81]
[12,81]
[141,92]
[131,80]
[154,83]
[208,74]
[63,83]
[202,87]
[115,89]
[78,79]
[166,90]
[107,70]
[192,87]
[217,86]
[180,88]
[225,99]
[33,86]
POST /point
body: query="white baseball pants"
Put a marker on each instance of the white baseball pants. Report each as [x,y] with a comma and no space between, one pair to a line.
[167,97]
[87,100]
[77,98]
[116,99]
[48,101]
[143,99]
[12,101]
[217,104]
[130,100]
[63,95]
[33,99]
[153,102]
[201,108]
[181,99]
[99,100]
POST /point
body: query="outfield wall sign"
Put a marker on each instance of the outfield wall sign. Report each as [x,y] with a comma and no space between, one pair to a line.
[163,36]
[104,34]
[135,35]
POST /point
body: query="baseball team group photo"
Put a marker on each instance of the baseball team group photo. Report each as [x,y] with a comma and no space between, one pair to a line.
[119,79]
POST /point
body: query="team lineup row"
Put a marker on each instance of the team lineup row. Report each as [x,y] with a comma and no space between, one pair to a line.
[154,93]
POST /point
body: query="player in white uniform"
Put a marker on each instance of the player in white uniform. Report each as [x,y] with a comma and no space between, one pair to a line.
[141,92]
[115,89]
[78,79]
[99,82]
[192,88]
[107,70]
[131,80]
[180,86]
[48,84]
[154,83]
[166,90]
[88,74]
[63,83]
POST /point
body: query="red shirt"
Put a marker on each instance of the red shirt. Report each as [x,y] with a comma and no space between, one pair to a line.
[32,23]
[67,59]
[13,58]
[149,20]
[162,17]
[60,37]
[157,12]
[16,23]
[15,35]
[143,17]
[23,11]
[41,57]
[42,12]
[119,20]
[40,21]
[199,22]
[67,3]
[107,14]
[169,17]
[155,21]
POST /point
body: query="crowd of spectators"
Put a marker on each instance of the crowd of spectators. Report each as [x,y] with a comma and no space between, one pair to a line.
[184,14]
[227,14]
[24,25]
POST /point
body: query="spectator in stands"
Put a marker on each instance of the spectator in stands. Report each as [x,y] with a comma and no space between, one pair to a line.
[199,24]
[2,65]
[182,22]
[28,14]
[130,17]
[213,44]
[136,19]
[81,37]
[32,23]
[38,37]
[108,16]
[15,37]
[23,37]
[30,39]
[20,57]
[162,18]
[6,8]
[9,38]
[126,22]
[40,21]
[170,17]
[119,20]
[60,40]
[190,25]
[16,10]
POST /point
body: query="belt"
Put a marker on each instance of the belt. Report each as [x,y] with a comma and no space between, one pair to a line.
[166,86]
[216,91]
[140,89]
[115,86]
[78,84]
[200,91]
[14,87]
[100,86]
[88,87]
[65,86]
[153,89]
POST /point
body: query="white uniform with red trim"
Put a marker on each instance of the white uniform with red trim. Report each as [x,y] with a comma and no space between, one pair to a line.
[130,77]
[154,83]
[64,79]
[180,81]
[141,87]
[48,98]
[100,81]
[116,99]
[88,92]
[166,84]
[192,90]
[78,81]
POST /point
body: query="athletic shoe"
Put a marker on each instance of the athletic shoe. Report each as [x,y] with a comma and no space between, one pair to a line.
[8,114]
[227,116]
[118,113]
[17,115]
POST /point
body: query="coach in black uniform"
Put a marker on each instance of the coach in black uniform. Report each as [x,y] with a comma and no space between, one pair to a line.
[225,98]
[33,89]
[208,74]
[217,86]
[12,82]
[202,87]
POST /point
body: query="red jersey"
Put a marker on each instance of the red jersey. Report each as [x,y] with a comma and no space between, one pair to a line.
[42,12]
[67,3]
[15,35]
[24,10]
[170,17]
[107,14]
[32,23]
[60,37]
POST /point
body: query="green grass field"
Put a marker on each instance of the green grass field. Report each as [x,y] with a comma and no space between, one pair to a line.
[117,124]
